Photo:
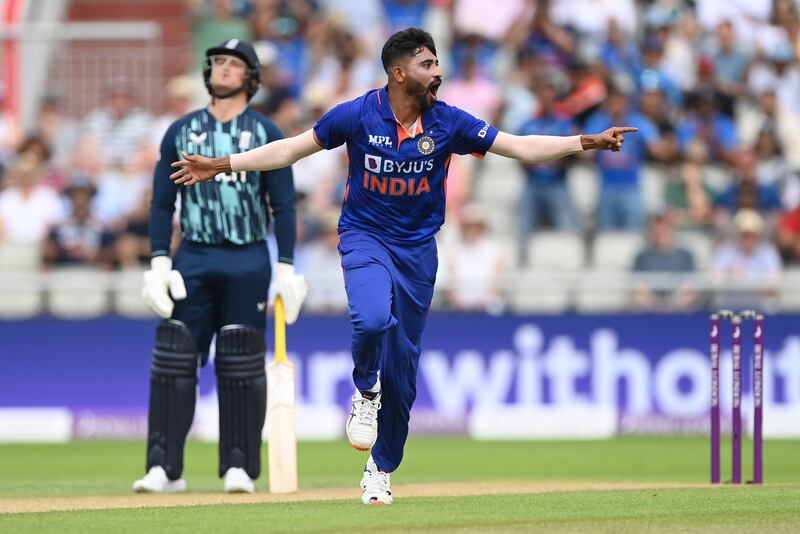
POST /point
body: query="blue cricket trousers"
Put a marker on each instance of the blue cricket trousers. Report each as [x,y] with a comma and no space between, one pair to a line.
[225,284]
[389,291]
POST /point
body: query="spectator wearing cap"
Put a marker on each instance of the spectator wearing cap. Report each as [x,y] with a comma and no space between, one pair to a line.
[27,208]
[662,255]
[546,199]
[80,239]
[704,123]
[119,128]
[620,202]
[747,259]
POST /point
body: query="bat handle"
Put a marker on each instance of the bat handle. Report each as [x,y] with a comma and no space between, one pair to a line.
[280,331]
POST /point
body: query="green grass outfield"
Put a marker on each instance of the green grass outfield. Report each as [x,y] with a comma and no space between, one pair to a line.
[39,472]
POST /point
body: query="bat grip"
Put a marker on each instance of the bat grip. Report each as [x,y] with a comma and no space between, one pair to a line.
[280,331]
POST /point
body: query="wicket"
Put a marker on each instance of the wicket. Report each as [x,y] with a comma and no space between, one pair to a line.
[736,320]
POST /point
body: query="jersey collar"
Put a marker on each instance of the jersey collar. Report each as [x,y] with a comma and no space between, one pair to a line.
[429,116]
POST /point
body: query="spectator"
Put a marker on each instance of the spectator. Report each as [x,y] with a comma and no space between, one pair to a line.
[748,267]
[323,272]
[476,267]
[591,18]
[704,123]
[404,14]
[771,115]
[27,208]
[687,194]
[59,132]
[588,91]
[473,93]
[746,192]
[180,92]
[214,21]
[120,128]
[730,61]
[132,244]
[650,74]
[546,197]
[662,256]
[789,236]
[552,44]
[80,239]
[620,203]
[781,72]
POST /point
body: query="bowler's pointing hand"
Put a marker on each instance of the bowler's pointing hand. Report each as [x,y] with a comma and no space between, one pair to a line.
[194,169]
[610,139]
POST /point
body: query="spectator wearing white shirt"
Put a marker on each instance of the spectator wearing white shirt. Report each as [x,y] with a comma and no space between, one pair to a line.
[476,267]
[27,208]
[749,261]
[120,128]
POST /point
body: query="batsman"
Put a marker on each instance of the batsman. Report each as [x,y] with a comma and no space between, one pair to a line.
[218,281]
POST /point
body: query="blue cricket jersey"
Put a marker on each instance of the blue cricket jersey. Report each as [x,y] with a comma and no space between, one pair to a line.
[396,185]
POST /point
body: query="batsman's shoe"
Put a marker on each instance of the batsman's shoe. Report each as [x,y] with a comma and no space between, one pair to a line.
[375,485]
[156,481]
[237,481]
[362,426]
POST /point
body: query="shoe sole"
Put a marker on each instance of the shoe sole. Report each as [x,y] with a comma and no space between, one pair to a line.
[358,448]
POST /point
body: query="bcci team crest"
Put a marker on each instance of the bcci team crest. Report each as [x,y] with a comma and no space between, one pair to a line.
[425,145]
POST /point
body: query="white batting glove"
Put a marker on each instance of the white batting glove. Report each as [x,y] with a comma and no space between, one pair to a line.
[292,288]
[160,282]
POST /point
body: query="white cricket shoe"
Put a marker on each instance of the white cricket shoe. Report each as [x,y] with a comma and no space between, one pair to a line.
[156,481]
[362,425]
[375,485]
[237,481]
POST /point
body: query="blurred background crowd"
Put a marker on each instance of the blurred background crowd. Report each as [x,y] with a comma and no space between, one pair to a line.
[701,208]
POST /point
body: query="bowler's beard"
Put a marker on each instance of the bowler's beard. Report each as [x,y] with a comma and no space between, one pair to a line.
[420,93]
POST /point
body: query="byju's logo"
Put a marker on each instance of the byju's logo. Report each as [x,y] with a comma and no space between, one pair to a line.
[380,140]
[372,163]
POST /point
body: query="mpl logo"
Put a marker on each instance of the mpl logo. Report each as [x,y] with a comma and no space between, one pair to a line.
[372,163]
[482,133]
[380,140]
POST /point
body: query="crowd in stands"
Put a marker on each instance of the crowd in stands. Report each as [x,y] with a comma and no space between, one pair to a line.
[713,87]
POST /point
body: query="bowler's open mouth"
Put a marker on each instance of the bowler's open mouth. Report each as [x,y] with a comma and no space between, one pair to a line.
[434,88]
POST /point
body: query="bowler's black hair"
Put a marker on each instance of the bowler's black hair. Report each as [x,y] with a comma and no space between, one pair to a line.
[405,43]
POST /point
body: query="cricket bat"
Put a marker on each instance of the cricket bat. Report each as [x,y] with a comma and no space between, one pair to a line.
[281,435]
